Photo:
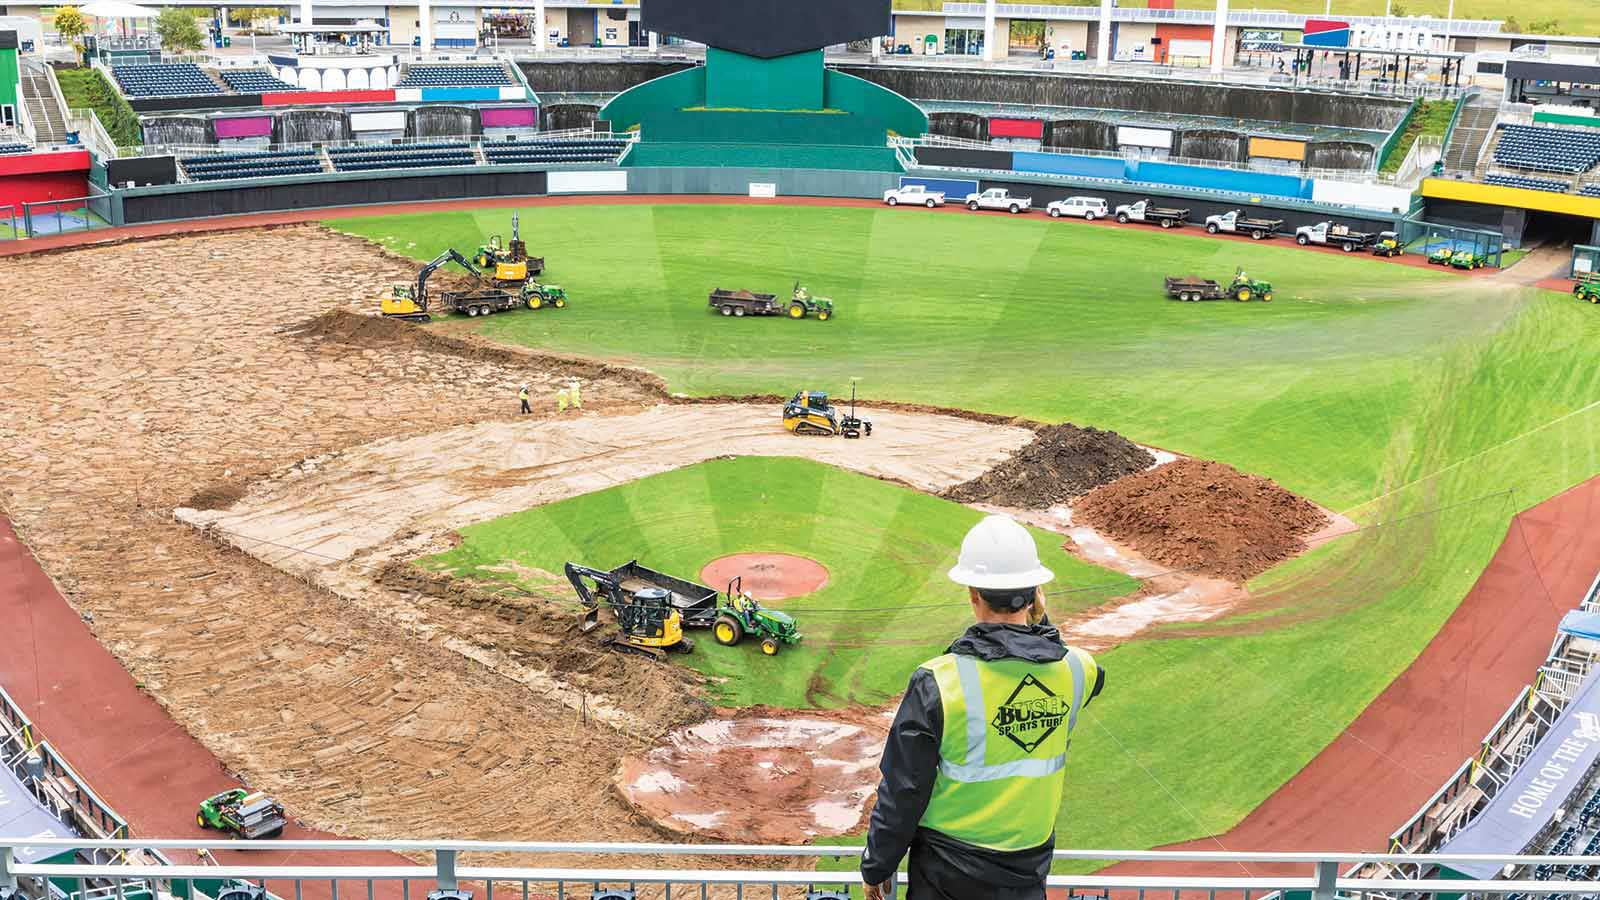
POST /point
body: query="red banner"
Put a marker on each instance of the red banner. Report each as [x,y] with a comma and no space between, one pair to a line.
[298,98]
[1016,128]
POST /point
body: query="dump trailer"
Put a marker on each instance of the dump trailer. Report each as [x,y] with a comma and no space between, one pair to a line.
[1237,223]
[481,302]
[1147,212]
[248,814]
[1333,235]
[746,303]
[412,302]
[1242,288]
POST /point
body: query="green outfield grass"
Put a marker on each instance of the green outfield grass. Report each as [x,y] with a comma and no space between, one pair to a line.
[885,548]
[1428,405]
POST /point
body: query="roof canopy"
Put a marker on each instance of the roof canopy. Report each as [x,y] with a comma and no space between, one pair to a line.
[117,9]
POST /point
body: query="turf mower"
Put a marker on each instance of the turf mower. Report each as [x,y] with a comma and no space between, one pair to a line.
[248,814]
[740,615]
[652,608]
[510,262]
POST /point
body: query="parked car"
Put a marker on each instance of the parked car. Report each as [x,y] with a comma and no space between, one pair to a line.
[999,198]
[917,194]
[1085,208]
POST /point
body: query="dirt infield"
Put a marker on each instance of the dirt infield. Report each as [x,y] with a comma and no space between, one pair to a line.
[1413,736]
[1061,463]
[738,778]
[1204,517]
[767,576]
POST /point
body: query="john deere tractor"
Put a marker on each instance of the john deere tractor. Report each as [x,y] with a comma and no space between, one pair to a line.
[1587,288]
[1243,288]
[539,296]
[801,303]
[741,616]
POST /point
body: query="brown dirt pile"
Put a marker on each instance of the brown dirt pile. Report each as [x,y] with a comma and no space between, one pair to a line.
[1203,517]
[1064,462]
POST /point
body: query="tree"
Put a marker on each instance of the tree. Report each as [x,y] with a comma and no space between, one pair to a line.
[251,14]
[71,26]
[178,31]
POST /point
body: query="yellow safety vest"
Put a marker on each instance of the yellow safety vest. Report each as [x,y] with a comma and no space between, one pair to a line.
[1003,756]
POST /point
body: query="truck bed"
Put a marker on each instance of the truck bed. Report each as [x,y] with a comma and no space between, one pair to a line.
[697,602]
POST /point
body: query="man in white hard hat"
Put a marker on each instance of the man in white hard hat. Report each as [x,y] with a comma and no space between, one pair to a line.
[974,767]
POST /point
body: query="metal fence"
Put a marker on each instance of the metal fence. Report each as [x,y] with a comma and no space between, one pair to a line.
[43,218]
[8,224]
[1426,237]
[732,871]
[1585,260]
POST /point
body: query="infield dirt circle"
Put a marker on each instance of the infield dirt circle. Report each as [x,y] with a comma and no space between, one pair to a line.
[767,576]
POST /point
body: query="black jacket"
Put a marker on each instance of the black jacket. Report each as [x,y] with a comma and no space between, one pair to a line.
[942,866]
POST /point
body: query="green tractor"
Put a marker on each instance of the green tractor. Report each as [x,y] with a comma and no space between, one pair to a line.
[1442,255]
[802,303]
[1587,288]
[248,814]
[1243,288]
[740,616]
[1467,259]
[539,296]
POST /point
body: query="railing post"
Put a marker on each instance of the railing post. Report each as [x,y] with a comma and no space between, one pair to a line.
[8,881]
[445,862]
[1327,878]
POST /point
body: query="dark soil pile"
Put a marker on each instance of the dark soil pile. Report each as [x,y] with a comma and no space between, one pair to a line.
[1062,463]
[1203,517]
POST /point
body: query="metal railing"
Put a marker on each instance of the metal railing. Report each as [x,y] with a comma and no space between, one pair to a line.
[22,738]
[723,870]
[92,134]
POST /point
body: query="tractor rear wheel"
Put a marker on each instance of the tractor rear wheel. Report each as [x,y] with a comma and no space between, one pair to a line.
[797,311]
[535,301]
[727,631]
[769,647]
[1243,296]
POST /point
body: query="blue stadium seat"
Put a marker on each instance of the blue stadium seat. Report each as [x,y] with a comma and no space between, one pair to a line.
[1566,150]
[1591,190]
[362,158]
[554,151]
[14,147]
[264,164]
[453,75]
[1522,181]
[164,80]
[256,81]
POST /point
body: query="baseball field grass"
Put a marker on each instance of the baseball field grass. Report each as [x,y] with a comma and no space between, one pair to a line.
[1429,406]
[886,549]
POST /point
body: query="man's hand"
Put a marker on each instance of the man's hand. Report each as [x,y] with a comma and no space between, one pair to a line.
[876,891]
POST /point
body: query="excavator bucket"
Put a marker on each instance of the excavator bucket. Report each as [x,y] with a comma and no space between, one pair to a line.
[589,620]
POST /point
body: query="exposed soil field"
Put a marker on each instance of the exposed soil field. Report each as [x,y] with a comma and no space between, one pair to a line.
[767,576]
[198,379]
[740,778]
[1061,463]
[1204,517]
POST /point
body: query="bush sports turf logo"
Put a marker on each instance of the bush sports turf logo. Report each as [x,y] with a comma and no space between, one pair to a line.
[1031,714]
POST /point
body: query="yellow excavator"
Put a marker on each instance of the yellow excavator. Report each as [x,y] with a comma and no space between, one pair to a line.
[510,263]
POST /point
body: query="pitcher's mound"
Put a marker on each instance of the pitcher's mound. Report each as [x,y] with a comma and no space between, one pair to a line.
[767,576]
[778,778]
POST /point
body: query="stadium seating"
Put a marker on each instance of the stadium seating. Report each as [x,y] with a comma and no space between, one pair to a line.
[422,76]
[14,147]
[1567,150]
[251,165]
[256,81]
[164,80]
[1591,190]
[402,156]
[557,151]
[1532,184]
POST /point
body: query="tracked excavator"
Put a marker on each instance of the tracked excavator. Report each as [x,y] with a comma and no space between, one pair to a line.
[652,608]
[410,302]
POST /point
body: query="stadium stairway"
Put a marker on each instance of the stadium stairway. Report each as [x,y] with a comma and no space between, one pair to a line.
[42,109]
[1471,133]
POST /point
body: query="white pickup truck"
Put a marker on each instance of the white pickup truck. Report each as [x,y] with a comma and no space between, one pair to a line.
[1147,212]
[1234,223]
[1086,208]
[917,194]
[1332,235]
[999,198]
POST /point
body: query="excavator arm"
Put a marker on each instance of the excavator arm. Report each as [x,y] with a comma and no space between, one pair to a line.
[604,585]
[420,292]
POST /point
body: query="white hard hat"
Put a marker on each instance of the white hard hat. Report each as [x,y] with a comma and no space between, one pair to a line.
[999,554]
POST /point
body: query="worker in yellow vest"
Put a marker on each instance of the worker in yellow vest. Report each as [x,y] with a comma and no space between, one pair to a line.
[523,396]
[975,765]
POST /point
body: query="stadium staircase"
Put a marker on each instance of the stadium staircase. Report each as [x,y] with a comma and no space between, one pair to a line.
[1471,133]
[43,110]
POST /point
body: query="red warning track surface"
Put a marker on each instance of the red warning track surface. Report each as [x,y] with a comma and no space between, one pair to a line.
[1402,748]
[132,754]
[286,217]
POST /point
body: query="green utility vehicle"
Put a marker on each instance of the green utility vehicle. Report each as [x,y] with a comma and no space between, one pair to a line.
[1466,259]
[1442,255]
[1587,288]
[1388,245]
[248,814]
[740,615]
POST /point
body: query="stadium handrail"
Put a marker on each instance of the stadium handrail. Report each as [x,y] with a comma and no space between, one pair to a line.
[191,150]
[1455,117]
[22,734]
[732,868]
